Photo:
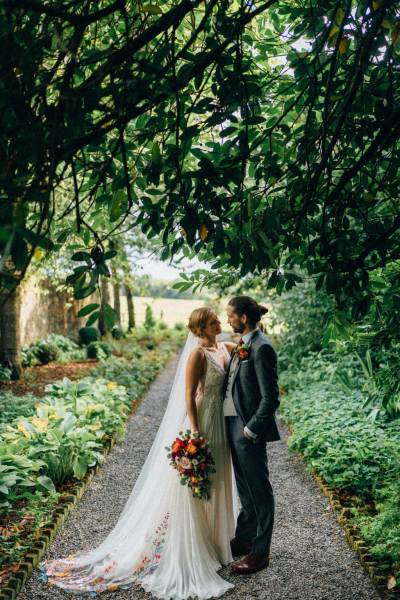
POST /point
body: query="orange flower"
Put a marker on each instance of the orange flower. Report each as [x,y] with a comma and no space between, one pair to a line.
[194,479]
[176,446]
[191,449]
[112,587]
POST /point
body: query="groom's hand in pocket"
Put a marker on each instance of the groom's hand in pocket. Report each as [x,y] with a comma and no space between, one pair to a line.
[248,435]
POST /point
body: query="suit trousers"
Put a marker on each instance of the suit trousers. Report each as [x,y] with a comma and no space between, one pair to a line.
[256,518]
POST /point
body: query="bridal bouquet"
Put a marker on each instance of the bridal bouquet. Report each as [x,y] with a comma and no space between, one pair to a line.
[190,455]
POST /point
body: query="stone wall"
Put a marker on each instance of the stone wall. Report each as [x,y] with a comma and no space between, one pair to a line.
[46,309]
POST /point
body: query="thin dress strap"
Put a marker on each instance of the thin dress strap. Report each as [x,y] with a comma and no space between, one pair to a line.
[226,350]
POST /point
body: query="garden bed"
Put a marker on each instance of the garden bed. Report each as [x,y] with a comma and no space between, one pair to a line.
[50,455]
[35,379]
[354,458]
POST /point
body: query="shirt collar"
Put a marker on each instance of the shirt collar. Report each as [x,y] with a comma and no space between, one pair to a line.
[246,338]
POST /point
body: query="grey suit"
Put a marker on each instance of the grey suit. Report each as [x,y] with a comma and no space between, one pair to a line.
[255,395]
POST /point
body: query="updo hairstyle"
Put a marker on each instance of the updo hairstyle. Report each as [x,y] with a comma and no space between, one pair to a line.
[198,320]
[244,305]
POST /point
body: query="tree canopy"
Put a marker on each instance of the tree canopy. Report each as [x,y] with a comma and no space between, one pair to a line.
[261,136]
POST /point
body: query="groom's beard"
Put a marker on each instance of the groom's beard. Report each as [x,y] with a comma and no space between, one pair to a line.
[238,328]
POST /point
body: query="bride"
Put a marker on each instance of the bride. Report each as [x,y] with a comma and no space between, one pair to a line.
[166,541]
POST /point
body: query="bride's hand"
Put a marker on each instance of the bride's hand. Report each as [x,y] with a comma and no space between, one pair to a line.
[195,433]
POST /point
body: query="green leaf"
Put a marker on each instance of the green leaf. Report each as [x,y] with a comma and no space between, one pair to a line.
[80,256]
[80,466]
[93,318]
[86,310]
[36,239]
[118,206]
[46,482]
[84,292]
[151,9]
[109,254]
[19,253]
[256,120]
[110,316]
[155,153]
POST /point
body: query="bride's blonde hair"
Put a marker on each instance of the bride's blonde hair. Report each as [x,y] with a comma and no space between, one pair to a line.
[198,320]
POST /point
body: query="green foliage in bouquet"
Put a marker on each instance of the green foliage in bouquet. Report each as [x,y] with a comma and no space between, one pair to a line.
[191,456]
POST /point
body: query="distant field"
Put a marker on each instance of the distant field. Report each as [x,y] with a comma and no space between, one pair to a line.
[170,310]
[173,311]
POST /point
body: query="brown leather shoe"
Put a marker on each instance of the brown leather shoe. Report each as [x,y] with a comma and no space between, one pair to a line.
[250,564]
[240,547]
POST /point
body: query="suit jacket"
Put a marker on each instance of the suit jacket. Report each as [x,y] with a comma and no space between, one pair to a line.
[255,389]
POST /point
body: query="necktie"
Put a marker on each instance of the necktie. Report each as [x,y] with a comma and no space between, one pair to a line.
[241,341]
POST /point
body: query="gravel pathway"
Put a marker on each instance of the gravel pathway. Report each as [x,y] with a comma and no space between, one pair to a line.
[310,556]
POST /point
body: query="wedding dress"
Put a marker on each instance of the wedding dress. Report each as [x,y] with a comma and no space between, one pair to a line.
[166,541]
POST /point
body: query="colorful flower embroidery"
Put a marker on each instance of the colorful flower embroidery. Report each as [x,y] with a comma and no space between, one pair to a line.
[149,564]
[59,569]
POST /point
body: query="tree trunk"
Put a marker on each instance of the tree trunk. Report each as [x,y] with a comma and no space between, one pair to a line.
[105,299]
[117,303]
[10,333]
[131,308]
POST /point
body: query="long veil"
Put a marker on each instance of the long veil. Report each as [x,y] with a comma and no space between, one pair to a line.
[129,552]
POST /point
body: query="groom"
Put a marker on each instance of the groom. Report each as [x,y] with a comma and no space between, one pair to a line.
[251,397]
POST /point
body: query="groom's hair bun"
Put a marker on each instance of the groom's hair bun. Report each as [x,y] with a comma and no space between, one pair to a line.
[244,305]
[198,320]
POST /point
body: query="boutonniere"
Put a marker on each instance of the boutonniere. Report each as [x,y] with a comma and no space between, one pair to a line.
[243,351]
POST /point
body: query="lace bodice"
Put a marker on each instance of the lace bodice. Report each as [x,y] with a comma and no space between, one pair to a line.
[209,393]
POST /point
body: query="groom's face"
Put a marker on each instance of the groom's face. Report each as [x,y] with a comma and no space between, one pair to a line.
[237,322]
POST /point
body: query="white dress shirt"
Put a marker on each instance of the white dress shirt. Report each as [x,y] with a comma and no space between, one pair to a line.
[228,406]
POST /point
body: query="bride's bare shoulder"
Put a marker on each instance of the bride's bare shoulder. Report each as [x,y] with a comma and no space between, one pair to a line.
[196,363]
[197,355]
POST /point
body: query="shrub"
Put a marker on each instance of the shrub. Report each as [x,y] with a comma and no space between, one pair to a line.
[40,353]
[12,407]
[117,333]
[5,373]
[45,352]
[98,350]
[302,315]
[64,344]
[179,326]
[149,321]
[382,531]
[88,335]
[28,356]
[162,325]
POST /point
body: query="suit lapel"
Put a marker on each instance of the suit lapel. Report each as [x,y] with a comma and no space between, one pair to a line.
[239,361]
[227,374]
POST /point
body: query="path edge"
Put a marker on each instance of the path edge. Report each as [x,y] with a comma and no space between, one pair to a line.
[47,533]
[355,541]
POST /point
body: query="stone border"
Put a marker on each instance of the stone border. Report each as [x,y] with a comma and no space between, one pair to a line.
[376,573]
[47,533]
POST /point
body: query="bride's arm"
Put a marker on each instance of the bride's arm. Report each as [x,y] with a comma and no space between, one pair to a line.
[230,346]
[195,369]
